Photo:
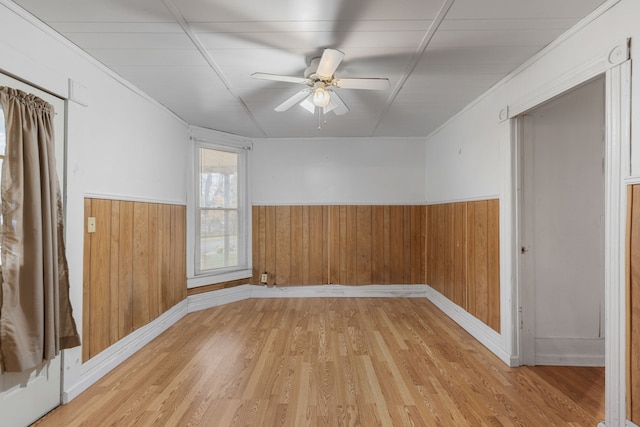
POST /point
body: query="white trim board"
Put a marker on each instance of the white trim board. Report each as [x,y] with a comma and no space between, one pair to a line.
[489,338]
[238,293]
[101,364]
[570,352]
[121,197]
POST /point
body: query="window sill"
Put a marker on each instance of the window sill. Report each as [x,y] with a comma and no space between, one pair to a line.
[212,279]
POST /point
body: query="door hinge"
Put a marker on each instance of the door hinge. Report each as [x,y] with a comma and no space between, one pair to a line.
[521,318]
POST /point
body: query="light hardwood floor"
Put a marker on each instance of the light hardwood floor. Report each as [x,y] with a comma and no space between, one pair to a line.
[330,362]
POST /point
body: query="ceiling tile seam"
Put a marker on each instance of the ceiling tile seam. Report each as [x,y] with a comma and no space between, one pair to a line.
[435,24]
[203,51]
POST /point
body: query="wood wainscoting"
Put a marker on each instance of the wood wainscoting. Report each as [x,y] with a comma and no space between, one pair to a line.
[347,245]
[134,268]
[633,303]
[463,256]
[453,247]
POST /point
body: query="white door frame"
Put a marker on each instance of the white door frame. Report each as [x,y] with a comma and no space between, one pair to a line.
[616,66]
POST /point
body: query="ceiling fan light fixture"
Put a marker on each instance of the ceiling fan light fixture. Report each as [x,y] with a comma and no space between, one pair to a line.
[321,97]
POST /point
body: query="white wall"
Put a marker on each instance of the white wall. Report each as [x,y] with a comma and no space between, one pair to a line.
[464,157]
[481,128]
[122,145]
[338,171]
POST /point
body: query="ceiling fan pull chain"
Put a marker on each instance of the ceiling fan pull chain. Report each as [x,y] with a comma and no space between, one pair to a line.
[319,119]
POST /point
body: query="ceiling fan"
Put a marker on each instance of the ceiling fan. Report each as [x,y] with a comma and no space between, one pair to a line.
[320,81]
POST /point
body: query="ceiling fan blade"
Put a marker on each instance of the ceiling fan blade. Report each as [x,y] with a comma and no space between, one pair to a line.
[304,93]
[369,84]
[340,107]
[308,104]
[329,62]
[278,78]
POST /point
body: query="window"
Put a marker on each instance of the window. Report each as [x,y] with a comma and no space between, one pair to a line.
[221,209]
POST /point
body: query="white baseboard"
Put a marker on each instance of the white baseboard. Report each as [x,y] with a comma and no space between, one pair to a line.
[324,291]
[210,299]
[225,296]
[569,351]
[491,339]
[102,363]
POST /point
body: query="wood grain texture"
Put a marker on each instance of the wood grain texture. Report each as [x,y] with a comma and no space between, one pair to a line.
[463,256]
[340,244]
[134,268]
[330,362]
[633,308]
[455,248]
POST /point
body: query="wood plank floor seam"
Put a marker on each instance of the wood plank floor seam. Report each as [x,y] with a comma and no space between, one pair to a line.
[330,362]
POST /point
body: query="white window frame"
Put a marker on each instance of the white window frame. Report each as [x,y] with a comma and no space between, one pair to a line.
[203,138]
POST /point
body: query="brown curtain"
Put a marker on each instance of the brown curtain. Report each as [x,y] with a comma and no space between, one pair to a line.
[35,316]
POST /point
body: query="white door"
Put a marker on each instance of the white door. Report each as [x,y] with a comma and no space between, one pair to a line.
[26,396]
[562,226]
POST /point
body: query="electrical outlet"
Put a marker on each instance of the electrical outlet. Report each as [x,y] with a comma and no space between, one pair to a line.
[91,224]
[263,278]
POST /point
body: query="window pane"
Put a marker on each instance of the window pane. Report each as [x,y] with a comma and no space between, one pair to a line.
[218,179]
[218,238]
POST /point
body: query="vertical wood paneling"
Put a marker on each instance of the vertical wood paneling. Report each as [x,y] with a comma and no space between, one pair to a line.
[141,264]
[125,270]
[343,244]
[460,251]
[463,256]
[283,245]
[155,292]
[470,258]
[480,280]
[334,244]
[343,280]
[377,245]
[351,247]
[270,242]
[255,243]
[417,255]
[86,286]
[100,300]
[493,263]
[325,244]
[386,225]
[114,272]
[166,276]
[363,245]
[396,229]
[181,261]
[448,252]
[406,244]
[306,249]
[134,268]
[316,247]
[633,296]
[296,246]
[452,247]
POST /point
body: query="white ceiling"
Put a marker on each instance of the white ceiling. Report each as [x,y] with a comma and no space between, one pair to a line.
[196,56]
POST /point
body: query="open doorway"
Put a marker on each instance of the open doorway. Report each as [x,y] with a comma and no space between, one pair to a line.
[562,229]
